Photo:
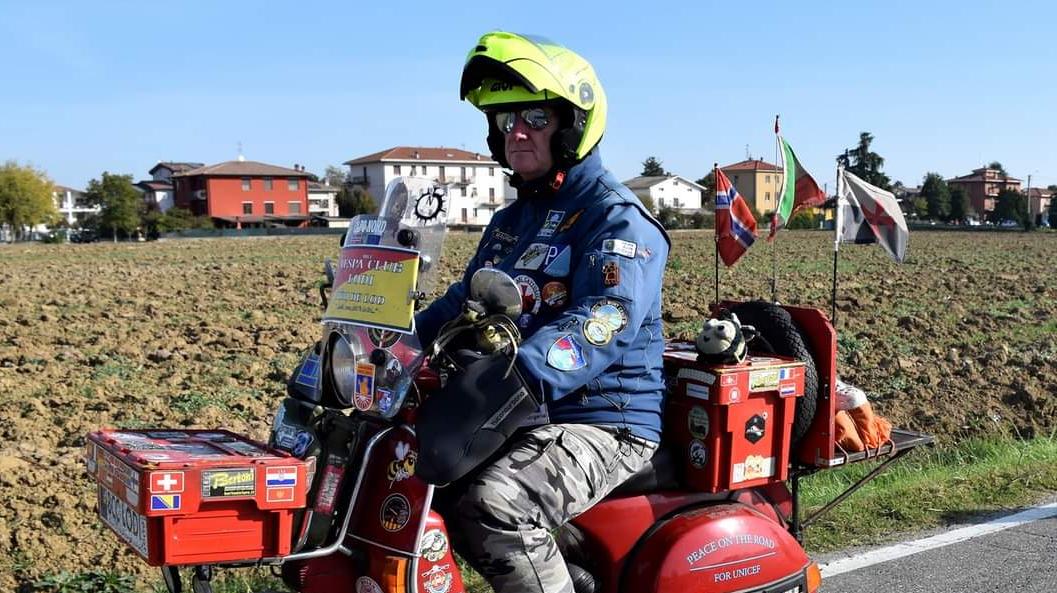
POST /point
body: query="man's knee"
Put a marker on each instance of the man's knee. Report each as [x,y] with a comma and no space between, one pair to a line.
[494,506]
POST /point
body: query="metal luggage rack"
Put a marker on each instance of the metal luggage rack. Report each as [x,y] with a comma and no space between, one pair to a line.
[900,443]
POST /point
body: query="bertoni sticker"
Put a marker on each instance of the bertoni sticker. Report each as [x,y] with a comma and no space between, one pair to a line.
[395,512]
[226,483]
[763,380]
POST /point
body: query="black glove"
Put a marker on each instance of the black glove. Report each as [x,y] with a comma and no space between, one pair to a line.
[469,419]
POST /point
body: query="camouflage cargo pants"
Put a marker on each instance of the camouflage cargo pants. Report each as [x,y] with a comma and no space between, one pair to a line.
[503,522]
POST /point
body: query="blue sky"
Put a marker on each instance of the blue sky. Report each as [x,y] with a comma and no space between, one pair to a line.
[118,86]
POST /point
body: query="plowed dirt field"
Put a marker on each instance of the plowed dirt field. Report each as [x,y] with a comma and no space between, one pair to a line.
[959,340]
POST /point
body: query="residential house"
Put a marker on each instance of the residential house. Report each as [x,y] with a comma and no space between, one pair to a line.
[71,205]
[757,181]
[158,190]
[668,191]
[245,193]
[322,200]
[477,185]
[1039,203]
[983,186]
[158,195]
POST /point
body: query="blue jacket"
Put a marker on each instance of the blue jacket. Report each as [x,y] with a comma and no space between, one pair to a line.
[590,261]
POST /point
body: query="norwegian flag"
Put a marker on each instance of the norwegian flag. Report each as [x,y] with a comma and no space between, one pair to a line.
[735,225]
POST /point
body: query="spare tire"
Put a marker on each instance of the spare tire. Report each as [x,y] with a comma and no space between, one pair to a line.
[781,335]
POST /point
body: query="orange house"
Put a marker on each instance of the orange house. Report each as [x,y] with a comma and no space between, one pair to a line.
[242,193]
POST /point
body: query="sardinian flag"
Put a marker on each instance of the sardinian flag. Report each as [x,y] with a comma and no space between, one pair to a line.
[735,224]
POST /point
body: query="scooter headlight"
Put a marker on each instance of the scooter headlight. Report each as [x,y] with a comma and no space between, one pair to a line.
[343,368]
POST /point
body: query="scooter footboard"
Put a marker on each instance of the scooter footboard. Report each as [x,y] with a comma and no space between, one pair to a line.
[720,548]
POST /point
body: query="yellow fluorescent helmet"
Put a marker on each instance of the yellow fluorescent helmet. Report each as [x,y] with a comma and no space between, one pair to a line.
[542,70]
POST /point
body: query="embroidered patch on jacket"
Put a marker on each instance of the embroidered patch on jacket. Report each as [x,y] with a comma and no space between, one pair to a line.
[569,222]
[612,313]
[597,332]
[619,247]
[558,261]
[533,257]
[555,294]
[610,274]
[566,355]
[554,219]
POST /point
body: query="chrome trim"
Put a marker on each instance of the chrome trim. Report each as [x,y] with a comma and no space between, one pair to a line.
[327,550]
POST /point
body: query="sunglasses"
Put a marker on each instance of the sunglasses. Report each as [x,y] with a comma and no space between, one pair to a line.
[536,118]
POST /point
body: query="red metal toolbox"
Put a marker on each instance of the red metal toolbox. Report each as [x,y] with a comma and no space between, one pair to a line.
[196,496]
[733,422]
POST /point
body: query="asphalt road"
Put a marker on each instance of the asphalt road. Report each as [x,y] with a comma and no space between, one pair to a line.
[1021,559]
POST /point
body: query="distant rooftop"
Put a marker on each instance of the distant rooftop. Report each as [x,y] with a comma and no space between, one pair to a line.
[244,168]
[752,165]
[421,153]
[175,167]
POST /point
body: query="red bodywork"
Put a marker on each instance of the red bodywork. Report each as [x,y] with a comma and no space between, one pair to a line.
[727,529]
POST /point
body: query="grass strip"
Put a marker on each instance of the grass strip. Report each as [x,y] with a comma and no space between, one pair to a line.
[929,489]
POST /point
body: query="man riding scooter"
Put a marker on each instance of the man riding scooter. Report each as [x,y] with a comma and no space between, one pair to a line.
[588,259]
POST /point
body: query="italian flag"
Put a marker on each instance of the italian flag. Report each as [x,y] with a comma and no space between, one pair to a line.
[799,189]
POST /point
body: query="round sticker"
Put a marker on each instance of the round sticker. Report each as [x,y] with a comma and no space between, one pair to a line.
[382,338]
[396,511]
[437,579]
[597,332]
[555,294]
[611,312]
[434,545]
[530,294]
[367,585]
[698,454]
[698,422]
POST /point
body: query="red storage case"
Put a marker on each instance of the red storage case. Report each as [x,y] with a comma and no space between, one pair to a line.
[196,496]
[733,423]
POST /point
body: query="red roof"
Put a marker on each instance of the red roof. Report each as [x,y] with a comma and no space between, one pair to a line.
[752,165]
[243,169]
[420,153]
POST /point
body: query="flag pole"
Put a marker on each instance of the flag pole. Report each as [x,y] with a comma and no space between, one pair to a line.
[715,196]
[774,218]
[836,246]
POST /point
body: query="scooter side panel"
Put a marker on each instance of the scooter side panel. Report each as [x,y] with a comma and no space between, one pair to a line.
[391,504]
[721,548]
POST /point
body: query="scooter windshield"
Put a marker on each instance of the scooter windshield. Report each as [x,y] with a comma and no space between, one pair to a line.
[387,262]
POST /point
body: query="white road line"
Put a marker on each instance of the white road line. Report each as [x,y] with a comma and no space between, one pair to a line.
[900,550]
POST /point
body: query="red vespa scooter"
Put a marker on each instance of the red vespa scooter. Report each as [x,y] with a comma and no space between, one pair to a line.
[334,501]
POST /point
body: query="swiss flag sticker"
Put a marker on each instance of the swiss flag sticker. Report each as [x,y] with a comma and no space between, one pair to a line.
[166,482]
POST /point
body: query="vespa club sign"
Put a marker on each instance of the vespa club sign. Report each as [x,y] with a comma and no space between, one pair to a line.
[373,287]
